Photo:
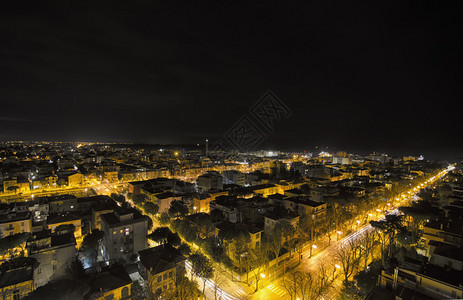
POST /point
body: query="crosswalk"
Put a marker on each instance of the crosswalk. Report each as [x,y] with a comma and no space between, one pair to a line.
[276,290]
[239,293]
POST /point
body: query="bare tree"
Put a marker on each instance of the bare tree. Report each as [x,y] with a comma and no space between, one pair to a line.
[323,280]
[346,255]
[259,261]
[367,243]
[291,282]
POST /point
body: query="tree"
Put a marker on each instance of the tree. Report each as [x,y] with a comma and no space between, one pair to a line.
[10,242]
[291,283]
[301,240]
[346,256]
[13,188]
[160,234]
[237,236]
[75,268]
[259,261]
[91,243]
[418,213]
[349,292]
[164,218]
[306,285]
[275,243]
[185,289]
[61,182]
[334,203]
[184,229]
[139,199]
[202,267]
[177,209]
[387,231]
[367,245]
[184,249]
[151,208]
[150,224]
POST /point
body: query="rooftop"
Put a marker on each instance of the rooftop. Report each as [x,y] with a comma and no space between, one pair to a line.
[160,258]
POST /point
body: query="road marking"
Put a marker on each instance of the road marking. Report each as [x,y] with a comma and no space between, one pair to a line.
[276,290]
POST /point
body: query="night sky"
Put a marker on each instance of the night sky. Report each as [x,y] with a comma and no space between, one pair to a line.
[357,77]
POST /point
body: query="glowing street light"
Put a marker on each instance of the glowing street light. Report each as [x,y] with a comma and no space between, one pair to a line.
[262,275]
[313,247]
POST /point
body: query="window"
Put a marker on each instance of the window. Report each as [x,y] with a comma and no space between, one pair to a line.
[109,297]
[159,278]
[125,292]
[170,274]
[165,276]
[16,295]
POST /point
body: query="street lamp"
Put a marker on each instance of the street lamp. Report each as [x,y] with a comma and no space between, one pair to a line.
[313,247]
[338,232]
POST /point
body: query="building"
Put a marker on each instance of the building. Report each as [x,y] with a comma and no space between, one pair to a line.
[61,203]
[210,181]
[303,206]
[272,218]
[255,234]
[125,234]
[113,282]
[234,177]
[56,220]
[53,252]
[16,185]
[201,203]
[162,199]
[415,281]
[16,283]
[229,206]
[160,266]
[341,160]
[14,223]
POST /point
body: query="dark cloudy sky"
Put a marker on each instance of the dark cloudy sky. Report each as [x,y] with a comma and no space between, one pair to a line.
[359,77]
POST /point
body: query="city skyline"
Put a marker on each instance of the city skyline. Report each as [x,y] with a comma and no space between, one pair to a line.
[376,77]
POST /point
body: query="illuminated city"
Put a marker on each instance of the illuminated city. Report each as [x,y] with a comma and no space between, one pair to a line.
[226,151]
